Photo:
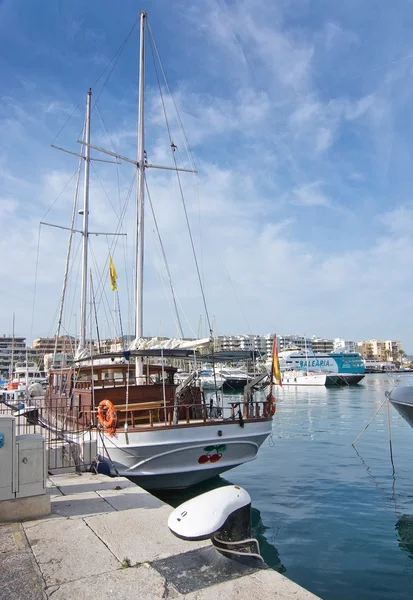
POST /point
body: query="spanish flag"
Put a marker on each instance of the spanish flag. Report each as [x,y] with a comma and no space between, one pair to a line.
[276,362]
[112,274]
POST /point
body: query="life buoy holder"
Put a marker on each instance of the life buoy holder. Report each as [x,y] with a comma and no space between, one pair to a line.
[107,415]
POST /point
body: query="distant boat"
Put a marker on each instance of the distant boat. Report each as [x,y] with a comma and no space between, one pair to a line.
[209,381]
[402,400]
[298,377]
[234,379]
[206,379]
[349,365]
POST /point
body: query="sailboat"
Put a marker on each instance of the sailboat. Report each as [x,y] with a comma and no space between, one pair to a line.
[126,407]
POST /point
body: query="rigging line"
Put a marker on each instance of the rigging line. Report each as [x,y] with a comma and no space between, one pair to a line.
[76,278]
[161,279]
[168,87]
[95,312]
[198,198]
[235,294]
[104,126]
[35,282]
[101,275]
[126,258]
[125,246]
[193,246]
[112,247]
[60,194]
[375,481]
[120,322]
[180,186]
[65,123]
[371,420]
[104,189]
[122,213]
[67,265]
[165,260]
[187,320]
[103,300]
[113,147]
[116,58]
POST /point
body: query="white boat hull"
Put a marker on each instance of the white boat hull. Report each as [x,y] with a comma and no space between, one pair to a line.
[304,379]
[402,400]
[179,457]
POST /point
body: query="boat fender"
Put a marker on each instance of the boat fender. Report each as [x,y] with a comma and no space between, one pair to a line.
[107,415]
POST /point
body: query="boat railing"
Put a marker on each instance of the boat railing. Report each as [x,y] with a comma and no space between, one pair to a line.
[57,421]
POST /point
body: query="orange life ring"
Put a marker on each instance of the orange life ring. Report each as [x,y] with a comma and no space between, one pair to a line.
[107,415]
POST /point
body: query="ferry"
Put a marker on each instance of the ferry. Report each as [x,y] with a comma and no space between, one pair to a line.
[349,365]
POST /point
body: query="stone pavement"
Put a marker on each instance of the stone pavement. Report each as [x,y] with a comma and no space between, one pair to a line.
[108,538]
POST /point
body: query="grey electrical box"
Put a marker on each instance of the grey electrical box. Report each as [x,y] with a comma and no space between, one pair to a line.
[31,467]
[23,467]
[7,457]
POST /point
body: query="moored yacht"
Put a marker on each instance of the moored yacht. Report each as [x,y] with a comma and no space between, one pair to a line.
[401,397]
[298,377]
[234,379]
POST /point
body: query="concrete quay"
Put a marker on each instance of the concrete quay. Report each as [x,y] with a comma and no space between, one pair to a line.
[108,538]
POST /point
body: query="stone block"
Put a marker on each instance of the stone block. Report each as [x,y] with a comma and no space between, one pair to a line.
[139,583]
[141,534]
[24,509]
[67,550]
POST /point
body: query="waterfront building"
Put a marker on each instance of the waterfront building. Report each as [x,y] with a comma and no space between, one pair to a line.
[322,345]
[285,342]
[65,344]
[381,350]
[342,345]
[251,343]
[12,349]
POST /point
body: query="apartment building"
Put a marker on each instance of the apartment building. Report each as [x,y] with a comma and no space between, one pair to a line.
[12,350]
[65,344]
[383,350]
[342,345]
[293,341]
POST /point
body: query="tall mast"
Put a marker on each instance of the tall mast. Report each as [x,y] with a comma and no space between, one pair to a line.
[85,231]
[11,367]
[140,193]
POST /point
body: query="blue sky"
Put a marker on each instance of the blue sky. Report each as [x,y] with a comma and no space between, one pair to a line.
[298,115]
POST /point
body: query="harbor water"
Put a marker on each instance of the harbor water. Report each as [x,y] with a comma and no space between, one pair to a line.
[335,519]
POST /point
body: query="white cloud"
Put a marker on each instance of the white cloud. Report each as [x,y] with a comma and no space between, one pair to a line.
[310,194]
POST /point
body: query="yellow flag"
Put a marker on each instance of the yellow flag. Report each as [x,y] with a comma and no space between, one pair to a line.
[112,274]
[276,363]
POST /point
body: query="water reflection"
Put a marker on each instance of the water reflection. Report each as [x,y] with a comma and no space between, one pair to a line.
[258,529]
[404,527]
